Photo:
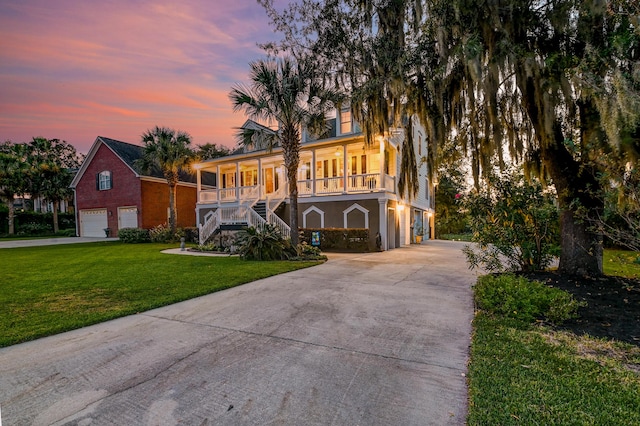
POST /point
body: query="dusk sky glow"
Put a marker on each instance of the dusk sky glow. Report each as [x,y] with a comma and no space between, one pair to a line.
[78,69]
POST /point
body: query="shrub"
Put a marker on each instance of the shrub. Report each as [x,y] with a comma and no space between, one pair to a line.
[264,243]
[208,247]
[34,229]
[161,234]
[524,300]
[515,225]
[341,239]
[307,252]
[134,235]
[190,234]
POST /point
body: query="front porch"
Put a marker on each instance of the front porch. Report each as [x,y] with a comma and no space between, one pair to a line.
[350,168]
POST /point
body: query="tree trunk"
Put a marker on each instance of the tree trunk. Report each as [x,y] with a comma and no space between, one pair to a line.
[291,154]
[172,207]
[575,182]
[56,205]
[11,217]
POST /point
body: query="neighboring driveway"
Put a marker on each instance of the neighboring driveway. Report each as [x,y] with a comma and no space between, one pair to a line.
[51,241]
[364,339]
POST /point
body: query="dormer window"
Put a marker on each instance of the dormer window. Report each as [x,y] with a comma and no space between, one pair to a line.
[345,122]
[104,181]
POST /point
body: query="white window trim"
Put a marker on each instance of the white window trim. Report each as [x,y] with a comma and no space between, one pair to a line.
[104,180]
[357,206]
[310,210]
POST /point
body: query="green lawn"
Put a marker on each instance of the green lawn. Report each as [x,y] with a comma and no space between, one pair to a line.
[621,263]
[51,289]
[537,376]
[529,374]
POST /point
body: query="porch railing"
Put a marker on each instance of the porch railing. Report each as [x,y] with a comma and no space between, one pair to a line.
[227,194]
[330,185]
[211,223]
[249,195]
[362,183]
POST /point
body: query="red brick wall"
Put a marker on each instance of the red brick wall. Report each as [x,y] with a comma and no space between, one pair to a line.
[124,192]
[155,204]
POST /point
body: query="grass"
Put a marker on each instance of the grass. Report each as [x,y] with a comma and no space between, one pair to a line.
[621,263]
[456,237]
[522,373]
[534,376]
[51,289]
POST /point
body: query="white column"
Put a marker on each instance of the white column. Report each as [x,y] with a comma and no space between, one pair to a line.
[344,168]
[218,184]
[260,188]
[237,181]
[313,172]
[198,184]
[383,222]
[382,164]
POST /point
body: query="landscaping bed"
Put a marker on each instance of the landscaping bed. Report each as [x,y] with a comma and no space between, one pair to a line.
[613,305]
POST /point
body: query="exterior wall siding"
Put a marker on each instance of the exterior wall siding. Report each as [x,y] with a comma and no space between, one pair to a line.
[155,204]
[334,215]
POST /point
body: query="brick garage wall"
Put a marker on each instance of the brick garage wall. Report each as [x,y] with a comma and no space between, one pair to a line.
[124,192]
[155,204]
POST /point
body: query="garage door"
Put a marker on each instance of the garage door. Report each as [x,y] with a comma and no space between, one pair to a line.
[127,217]
[93,222]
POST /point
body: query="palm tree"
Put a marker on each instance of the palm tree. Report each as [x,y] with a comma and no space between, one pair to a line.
[288,93]
[52,162]
[169,151]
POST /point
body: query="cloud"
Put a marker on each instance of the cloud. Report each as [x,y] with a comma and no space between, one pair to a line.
[75,70]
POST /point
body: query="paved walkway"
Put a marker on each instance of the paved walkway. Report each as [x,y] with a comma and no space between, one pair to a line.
[364,339]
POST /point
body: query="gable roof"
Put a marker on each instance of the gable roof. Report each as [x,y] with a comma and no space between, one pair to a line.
[129,153]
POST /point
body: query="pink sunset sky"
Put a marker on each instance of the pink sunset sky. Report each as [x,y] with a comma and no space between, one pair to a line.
[78,69]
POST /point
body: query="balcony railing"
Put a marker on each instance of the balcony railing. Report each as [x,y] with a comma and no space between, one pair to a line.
[369,182]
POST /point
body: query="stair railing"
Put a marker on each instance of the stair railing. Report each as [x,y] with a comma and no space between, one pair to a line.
[206,230]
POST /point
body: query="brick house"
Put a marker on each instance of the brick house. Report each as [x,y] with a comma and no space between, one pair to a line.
[111,192]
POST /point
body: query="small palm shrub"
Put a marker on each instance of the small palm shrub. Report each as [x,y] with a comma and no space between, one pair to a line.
[518,298]
[264,243]
[134,235]
[308,252]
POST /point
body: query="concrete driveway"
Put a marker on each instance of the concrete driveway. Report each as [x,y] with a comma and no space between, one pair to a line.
[364,339]
[52,241]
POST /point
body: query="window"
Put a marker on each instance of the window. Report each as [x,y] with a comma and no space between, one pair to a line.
[345,122]
[103,181]
[419,144]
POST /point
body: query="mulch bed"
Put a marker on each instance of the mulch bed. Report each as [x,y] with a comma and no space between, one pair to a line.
[613,305]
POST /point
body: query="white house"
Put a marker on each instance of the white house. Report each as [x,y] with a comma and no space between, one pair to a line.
[342,183]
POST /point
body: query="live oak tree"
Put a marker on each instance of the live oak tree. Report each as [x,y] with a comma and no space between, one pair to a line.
[169,151]
[289,94]
[555,85]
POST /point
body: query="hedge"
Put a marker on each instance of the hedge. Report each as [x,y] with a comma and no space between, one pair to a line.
[339,239]
[33,223]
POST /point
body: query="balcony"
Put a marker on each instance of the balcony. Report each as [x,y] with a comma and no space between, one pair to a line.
[355,184]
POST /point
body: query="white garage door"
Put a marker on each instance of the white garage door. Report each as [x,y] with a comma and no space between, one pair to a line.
[93,222]
[127,217]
